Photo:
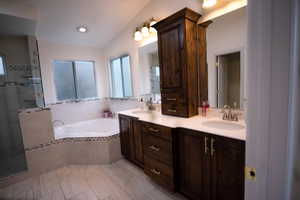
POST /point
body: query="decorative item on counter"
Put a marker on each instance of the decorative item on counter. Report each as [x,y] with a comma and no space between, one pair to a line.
[107,113]
[142,104]
[204,108]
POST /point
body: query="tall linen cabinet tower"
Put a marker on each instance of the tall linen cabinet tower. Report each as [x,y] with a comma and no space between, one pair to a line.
[178,58]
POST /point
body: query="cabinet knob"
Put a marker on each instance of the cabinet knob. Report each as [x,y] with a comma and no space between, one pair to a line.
[170,110]
[155,171]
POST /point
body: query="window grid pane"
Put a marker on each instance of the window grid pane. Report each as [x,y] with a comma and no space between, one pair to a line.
[126,77]
[74,80]
[116,75]
[121,80]
[85,79]
[1,65]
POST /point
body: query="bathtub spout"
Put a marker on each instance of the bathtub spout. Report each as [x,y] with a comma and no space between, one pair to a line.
[56,122]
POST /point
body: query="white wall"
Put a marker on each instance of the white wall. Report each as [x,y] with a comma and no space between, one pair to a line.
[124,43]
[51,51]
[226,34]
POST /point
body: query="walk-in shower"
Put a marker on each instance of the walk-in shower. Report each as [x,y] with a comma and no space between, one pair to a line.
[20,88]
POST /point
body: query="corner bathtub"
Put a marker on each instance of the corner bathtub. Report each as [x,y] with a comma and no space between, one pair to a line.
[102,127]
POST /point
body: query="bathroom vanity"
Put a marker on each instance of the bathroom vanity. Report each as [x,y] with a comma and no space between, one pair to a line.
[202,158]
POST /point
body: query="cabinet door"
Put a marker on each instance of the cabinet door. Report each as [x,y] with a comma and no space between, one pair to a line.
[125,136]
[194,164]
[138,143]
[170,55]
[228,169]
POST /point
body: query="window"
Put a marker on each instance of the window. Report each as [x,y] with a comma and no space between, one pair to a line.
[74,80]
[1,66]
[121,77]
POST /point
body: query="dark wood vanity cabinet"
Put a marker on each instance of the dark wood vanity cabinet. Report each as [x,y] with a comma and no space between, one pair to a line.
[210,167]
[131,139]
[159,154]
[178,59]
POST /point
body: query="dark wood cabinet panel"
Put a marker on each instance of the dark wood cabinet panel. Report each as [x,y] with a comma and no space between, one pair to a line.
[228,166]
[194,164]
[210,167]
[170,53]
[138,152]
[126,136]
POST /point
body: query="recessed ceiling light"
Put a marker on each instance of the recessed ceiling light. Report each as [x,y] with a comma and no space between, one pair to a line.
[82,29]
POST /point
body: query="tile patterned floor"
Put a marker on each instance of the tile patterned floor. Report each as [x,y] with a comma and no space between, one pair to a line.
[119,181]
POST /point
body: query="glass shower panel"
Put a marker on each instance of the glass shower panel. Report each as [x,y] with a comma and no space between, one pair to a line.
[20,88]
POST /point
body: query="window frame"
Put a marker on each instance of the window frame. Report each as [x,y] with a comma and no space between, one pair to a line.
[4,64]
[75,79]
[111,77]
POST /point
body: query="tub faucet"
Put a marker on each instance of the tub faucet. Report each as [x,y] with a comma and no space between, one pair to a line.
[55,123]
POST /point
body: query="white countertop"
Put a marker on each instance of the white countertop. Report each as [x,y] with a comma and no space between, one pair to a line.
[193,123]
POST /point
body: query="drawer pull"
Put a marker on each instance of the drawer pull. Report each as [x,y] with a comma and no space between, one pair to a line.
[155,171]
[212,147]
[153,130]
[174,111]
[171,99]
[206,146]
[154,148]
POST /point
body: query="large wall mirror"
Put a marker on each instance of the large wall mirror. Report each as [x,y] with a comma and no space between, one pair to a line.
[226,45]
[149,71]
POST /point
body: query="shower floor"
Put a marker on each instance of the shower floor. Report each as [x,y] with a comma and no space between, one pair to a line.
[118,181]
[13,165]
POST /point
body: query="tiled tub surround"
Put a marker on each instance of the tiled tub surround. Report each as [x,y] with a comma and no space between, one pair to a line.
[44,153]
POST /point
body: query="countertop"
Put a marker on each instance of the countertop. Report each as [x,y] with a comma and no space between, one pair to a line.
[193,123]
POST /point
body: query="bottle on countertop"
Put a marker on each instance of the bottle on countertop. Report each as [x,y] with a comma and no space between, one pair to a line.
[204,108]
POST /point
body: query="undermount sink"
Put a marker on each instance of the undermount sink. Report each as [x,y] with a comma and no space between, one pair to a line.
[224,125]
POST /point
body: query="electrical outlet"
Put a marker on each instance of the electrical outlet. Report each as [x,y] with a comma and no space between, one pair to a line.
[250,173]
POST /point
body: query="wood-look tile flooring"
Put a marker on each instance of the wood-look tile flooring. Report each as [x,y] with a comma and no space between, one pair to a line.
[118,181]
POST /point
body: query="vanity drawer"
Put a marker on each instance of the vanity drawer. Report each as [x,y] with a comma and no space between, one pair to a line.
[159,172]
[157,148]
[174,109]
[159,131]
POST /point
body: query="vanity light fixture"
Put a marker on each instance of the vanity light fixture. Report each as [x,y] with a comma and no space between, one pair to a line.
[209,3]
[82,29]
[152,22]
[145,31]
[138,35]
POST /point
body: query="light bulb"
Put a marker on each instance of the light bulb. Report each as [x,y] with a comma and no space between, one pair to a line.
[82,29]
[209,3]
[152,29]
[145,31]
[138,35]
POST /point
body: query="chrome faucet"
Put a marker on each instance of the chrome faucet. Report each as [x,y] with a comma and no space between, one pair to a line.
[229,115]
[150,105]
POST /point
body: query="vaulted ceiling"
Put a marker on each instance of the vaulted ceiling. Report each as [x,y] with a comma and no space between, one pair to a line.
[57,19]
